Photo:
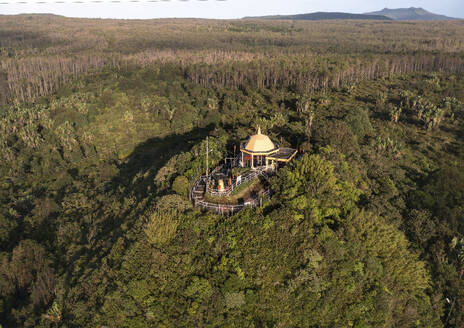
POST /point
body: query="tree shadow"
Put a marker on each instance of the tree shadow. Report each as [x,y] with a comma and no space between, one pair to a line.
[114,218]
[293,138]
[366,99]
[139,169]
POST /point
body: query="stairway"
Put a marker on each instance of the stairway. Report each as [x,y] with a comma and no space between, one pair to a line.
[199,190]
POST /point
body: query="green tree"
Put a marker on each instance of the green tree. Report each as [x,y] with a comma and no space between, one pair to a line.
[181,185]
[359,122]
[310,188]
[394,112]
[161,228]
[381,98]
[304,104]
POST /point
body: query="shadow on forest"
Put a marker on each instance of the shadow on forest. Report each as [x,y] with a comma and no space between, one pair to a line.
[293,138]
[456,131]
[138,171]
[135,179]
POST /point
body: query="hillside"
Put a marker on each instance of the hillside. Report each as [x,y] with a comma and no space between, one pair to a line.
[410,14]
[105,125]
[322,16]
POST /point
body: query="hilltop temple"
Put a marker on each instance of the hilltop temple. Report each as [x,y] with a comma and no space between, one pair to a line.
[259,152]
[218,191]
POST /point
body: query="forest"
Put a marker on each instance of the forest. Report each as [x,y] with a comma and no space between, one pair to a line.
[103,127]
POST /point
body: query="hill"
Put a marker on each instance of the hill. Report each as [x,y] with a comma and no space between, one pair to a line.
[409,14]
[103,129]
[322,16]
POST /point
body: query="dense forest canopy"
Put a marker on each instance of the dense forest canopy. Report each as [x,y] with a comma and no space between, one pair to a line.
[42,52]
[103,127]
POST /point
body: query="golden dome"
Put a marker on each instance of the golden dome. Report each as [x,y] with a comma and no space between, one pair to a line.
[260,143]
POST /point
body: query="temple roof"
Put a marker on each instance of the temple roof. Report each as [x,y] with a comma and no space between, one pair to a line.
[260,143]
[283,155]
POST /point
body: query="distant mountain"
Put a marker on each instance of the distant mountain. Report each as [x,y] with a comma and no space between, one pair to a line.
[409,14]
[322,16]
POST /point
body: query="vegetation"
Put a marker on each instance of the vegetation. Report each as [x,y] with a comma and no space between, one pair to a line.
[103,128]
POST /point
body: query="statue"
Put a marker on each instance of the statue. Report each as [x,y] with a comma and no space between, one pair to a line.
[221,185]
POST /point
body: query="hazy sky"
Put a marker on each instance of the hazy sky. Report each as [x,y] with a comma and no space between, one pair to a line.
[220,9]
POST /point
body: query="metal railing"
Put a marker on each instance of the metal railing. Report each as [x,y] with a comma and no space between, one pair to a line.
[229,209]
[194,187]
[244,178]
[238,160]
[224,208]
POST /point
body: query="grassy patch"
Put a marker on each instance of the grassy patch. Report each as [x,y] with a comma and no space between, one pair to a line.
[241,194]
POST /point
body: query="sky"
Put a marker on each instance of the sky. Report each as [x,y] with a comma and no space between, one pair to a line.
[218,9]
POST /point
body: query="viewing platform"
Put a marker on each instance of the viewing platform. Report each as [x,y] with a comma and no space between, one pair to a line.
[244,181]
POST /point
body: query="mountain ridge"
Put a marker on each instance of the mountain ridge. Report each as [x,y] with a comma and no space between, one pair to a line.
[411,13]
[321,16]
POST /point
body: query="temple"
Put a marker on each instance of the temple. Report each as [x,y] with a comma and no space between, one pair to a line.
[259,152]
[259,158]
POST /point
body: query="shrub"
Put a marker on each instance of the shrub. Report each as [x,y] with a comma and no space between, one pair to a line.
[181,185]
[161,228]
[358,121]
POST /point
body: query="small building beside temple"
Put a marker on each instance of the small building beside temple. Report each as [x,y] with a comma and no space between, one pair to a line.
[260,152]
